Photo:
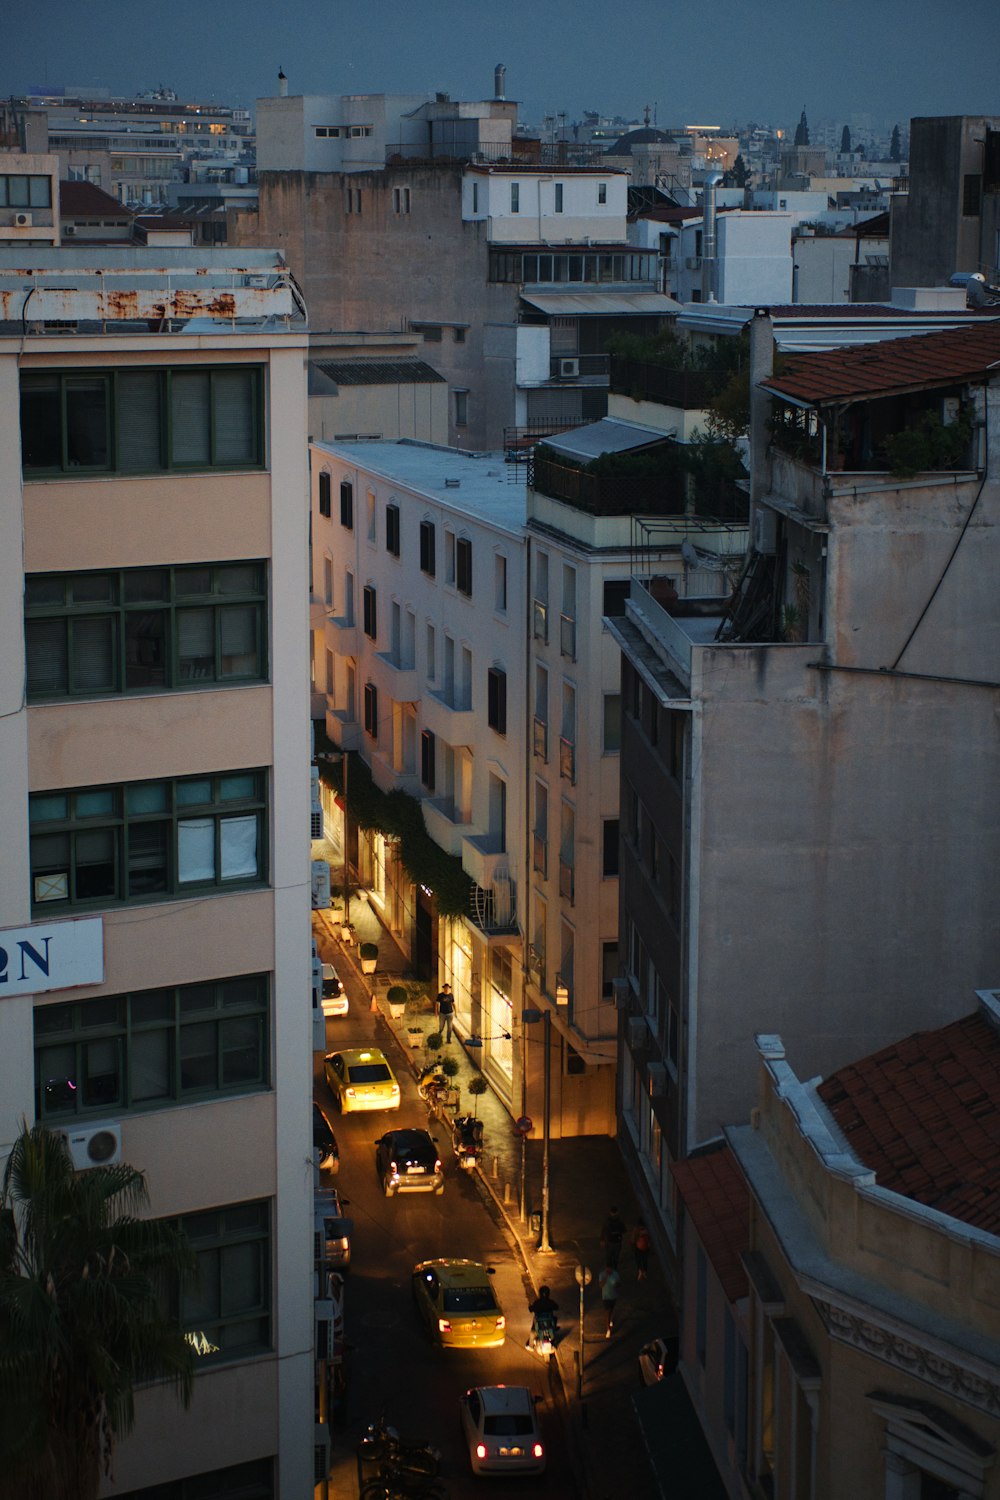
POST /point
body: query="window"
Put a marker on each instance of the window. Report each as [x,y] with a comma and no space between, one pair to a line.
[151,1049]
[370,502]
[392,529]
[500,583]
[449,556]
[463,566]
[431,651]
[142,421]
[401,200]
[142,840]
[610,848]
[602,192]
[328,581]
[357,131]
[558,197]
[475,197]
[250,1481]
[427,759]
[26,190]
[972,195]
[458,334]
[371,710]
[327,132]
[144,629]
[427,548]
[609,970]
[496,699]
[324,494]
[227,1308]
[461,408]
[347,504]
[430,331]
[370,612]
[515,197]
[615,594]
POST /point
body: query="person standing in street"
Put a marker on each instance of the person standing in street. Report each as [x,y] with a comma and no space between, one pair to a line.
[611,1285]
[612,1235]
[640,1249]
[445,1010]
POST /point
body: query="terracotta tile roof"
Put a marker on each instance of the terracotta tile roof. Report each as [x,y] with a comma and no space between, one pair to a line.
[86,200]
[717,1200]
[923,361]
[924,1115]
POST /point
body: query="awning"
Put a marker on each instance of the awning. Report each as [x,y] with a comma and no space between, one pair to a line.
[606,436]
[594,304]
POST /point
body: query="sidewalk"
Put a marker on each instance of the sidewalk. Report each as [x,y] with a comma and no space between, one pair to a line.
[586,1176]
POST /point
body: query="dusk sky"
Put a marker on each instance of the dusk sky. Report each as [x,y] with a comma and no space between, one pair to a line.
[725,63]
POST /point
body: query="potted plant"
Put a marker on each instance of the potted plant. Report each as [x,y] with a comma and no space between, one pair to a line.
[369,957]
[396,1000]
[414,1035]
[477,1088]
[449,1067]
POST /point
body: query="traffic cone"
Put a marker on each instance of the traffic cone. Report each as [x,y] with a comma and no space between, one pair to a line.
[374,1005]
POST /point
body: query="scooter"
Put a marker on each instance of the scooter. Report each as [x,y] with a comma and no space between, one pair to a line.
[396,1456]
[542,1338]
[467,1140]
[431,1084]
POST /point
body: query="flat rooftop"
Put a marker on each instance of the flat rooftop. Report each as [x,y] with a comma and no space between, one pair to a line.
[480,485]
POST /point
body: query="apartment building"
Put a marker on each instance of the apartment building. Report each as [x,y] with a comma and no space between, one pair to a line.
[154,734]
[813,766]
[948,219]
[418,612]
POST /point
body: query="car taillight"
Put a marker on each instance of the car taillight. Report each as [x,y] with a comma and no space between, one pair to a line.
[480,1450]
[437,1165]
[443,1325]
[349,1092]
[537,1451]
[395,1089]
[393,1169]
[501,1322]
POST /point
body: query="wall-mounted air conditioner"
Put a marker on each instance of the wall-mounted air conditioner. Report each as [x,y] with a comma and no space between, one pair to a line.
[94,1145]
[620,993]
[636,1031]
[657,1080]
[765,531]
[562,993]
[320,883]
[569,369]
[22,221]
[315,807]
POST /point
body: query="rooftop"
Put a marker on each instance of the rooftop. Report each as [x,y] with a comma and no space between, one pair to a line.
[474,484]
[717,1201]
[85,198]
[376,371]
[919,362]
[924,1115]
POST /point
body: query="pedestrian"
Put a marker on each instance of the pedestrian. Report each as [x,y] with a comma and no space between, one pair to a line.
[611,1285]
[445,1010]
[612,1235]
[640,1248]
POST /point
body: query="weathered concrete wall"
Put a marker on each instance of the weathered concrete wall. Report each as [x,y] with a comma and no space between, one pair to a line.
[930,236]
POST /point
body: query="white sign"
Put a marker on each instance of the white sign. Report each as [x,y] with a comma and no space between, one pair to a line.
[51,956]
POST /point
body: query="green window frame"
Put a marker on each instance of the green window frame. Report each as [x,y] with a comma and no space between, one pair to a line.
[143,841]
[142,420]
[227,1308]
[152,1049]
[145,630]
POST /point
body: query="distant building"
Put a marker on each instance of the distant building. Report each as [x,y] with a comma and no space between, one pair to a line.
[949,219]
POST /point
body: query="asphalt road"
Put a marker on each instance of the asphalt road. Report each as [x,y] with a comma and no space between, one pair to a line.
[393,1366]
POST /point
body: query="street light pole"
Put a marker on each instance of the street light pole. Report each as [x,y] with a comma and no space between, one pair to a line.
[546,1131]
[347,880]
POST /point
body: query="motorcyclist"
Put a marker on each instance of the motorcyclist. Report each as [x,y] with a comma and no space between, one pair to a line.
[543,1311]
[469,1133]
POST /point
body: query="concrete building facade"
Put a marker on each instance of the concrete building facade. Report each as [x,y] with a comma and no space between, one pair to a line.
[949,219]
[154,738]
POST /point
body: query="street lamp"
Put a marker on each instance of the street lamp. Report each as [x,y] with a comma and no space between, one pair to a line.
[529,1017]
[583,1279]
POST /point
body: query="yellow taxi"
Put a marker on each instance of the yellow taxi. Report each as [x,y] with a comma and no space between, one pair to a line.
[458,1304]
[361,1078]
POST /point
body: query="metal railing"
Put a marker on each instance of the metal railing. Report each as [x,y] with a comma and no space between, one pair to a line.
[541,739]
[567,760]
[645,380]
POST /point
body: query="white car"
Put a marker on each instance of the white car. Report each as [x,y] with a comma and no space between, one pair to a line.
[500,1425]
[335,1001]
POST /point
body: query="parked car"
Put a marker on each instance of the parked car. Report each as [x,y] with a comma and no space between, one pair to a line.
[361,1078]
[324,1141]
[332,1231]
[407,1161]
[500,1426]
[458,1304]
[335,1001]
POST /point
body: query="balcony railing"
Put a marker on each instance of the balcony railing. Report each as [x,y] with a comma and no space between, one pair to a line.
[567,882]
[541,739]
[540,621]
[539,855]
[567,760]
[579,367]
[691,390]
[567,636]
[664,494]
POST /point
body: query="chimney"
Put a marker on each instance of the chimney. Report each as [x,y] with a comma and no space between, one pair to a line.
[282,84]
[708,277]
[499,75]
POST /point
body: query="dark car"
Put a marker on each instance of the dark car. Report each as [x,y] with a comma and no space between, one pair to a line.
[407,1161]
[324,1141]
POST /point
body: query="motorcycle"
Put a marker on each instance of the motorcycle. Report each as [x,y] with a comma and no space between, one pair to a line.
[467,1140]
[432,1084]
[397,1457]
[542,1338]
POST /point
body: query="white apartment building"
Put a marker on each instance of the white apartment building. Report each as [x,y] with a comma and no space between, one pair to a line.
[154,877]
[418,611]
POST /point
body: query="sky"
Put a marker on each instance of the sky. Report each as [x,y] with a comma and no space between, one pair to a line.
[730,62]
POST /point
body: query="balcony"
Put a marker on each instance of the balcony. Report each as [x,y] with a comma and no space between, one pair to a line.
[540,621]
[541,739]
[664,492]
[567,761]
[590,369]
[647,380]
[567,881]
[400,682]
[445,823]
[443,714]
[539,855]
[483,860]
[567,637]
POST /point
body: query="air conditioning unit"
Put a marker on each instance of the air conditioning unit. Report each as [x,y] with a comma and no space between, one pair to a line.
[569,369]
[22,221]
[636,1031]
[324,1330]
[765,531]
[562,994]
[620,991]
[320,883]
[657,1080]
[94,1145]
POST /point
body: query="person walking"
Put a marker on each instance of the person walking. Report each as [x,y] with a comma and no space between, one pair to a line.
[612,1235]
[445,1010]
[640,1249]
[611,1285]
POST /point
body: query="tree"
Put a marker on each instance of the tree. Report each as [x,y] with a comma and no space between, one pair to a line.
[802,131]
[741,172]
[83,1281]
[895,152]
[845,141]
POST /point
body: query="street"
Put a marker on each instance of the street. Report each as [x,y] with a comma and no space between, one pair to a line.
[393,1367]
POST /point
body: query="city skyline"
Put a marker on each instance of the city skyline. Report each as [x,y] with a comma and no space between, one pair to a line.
[836,64]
